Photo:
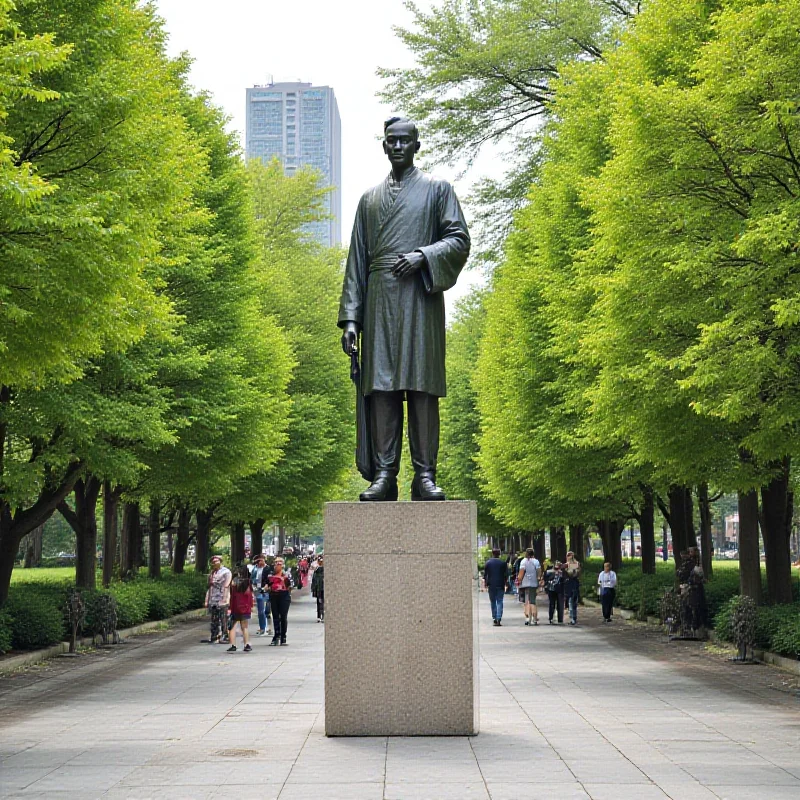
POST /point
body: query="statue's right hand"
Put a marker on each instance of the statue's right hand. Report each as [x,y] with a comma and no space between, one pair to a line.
[350,338]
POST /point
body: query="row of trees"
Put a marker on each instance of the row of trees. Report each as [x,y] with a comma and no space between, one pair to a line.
[637,347]
[165,323]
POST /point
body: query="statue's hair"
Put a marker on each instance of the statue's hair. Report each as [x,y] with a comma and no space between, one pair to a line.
[392,120]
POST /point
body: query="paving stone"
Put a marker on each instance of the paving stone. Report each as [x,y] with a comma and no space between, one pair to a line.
[598,712]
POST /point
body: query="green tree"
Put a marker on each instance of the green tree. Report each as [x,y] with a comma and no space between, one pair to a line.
[81,260]
[460,421]
[484,72]
[705,175]
[233,398]
[300,284]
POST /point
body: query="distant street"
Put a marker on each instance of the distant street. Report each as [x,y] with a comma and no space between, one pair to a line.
[593,712]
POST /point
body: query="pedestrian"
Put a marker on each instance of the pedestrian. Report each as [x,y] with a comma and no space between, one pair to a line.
[218,598]
[607,581]
[318,589]
[495,576]
[511,561]
[572,585]
[241,607]
[280,588]
[258,579]
[302,569]
[554,586]
[530,571]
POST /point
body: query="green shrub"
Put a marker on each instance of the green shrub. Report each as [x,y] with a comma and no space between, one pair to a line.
[37,618]
[786,638]
[777,628]
[34,615]
[5,632]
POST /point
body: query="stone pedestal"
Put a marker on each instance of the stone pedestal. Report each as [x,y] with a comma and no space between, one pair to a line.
[401,624]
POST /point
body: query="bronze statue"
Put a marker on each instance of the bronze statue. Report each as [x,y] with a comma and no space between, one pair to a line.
[409,244]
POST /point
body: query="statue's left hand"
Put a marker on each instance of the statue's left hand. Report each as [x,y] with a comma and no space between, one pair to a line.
[408,264]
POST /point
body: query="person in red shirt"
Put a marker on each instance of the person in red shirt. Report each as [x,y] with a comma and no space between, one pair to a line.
[280,587]
[241,607]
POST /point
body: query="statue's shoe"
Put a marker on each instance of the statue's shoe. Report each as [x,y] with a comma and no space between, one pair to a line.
[424,488]
[383,488]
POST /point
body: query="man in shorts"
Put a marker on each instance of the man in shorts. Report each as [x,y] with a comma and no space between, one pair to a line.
[530,571]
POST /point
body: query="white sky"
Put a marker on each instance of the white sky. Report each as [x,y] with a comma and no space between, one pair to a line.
[240,43]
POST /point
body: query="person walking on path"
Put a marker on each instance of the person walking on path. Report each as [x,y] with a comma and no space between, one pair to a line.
[302,569]
[554,586]
[280,588]
[318,589]
[572,585]
[607,581]
[241,607]
[512,562]
[530,571]
[218,598]
[258,579]
[495,576]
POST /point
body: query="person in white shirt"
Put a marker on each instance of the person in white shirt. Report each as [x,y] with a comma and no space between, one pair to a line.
[530,571]
[607,581]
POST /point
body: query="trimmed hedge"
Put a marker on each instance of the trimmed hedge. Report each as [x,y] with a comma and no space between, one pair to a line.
[34,615]
[642,593]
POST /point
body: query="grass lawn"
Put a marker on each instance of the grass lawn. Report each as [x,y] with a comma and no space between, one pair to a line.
[65,575]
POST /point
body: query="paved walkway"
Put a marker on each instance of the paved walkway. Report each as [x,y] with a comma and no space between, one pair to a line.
[587,712]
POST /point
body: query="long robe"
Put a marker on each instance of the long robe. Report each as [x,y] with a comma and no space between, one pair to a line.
[402,319]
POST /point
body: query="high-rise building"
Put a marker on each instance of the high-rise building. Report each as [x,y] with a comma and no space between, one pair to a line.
[299,124]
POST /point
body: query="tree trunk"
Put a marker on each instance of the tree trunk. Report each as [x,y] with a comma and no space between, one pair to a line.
[706,542]
[131,541]
[611,537]
[16,523]
[576,540]
[8,555]
[776,502]
[202,540]
[182,540]
[154,550]
[110,523]
[680,521]
[257,537]
[33,548]
[561,541]
[749,558]
[83,520]
[237,543]
[538,546]
[281,539]
[647,531]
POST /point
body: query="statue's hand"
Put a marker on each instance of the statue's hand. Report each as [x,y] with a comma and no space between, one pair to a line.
[408,264]
[350,338]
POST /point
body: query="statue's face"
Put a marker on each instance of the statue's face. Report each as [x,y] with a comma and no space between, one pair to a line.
[400,144]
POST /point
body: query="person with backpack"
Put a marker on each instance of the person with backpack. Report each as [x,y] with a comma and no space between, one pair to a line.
[241,607]
[554,586]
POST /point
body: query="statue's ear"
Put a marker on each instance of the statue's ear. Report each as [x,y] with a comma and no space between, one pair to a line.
[417,146]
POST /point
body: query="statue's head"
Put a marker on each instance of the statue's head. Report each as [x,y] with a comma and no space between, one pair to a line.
[400,141]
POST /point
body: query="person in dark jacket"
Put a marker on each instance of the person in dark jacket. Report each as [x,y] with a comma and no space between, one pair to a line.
[495,575]
[318,590]
[554,586]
